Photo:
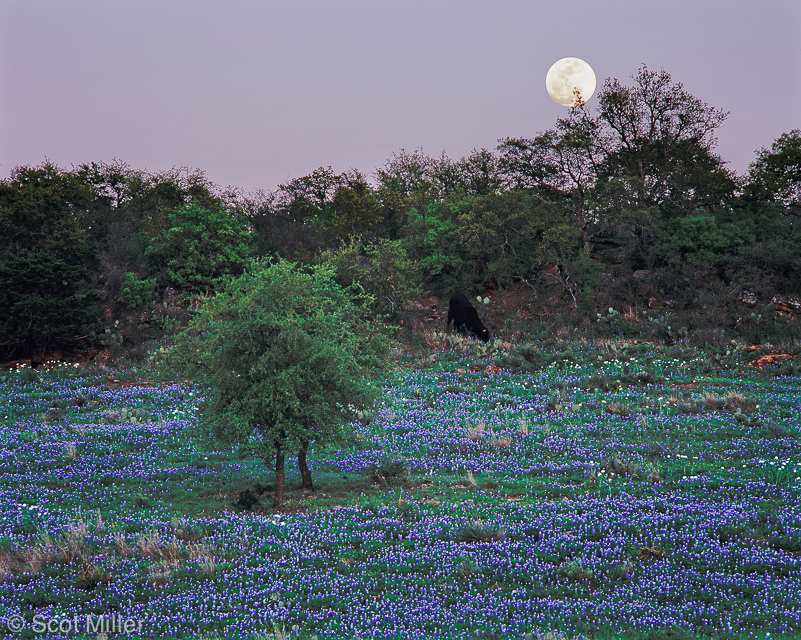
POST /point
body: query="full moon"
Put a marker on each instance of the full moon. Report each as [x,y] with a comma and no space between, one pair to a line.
[570,82]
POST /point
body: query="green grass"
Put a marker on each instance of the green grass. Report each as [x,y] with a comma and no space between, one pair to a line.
[130,484]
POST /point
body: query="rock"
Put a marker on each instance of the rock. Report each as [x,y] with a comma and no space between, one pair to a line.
[769,359]
[748,298]
[641,273]
[787,306]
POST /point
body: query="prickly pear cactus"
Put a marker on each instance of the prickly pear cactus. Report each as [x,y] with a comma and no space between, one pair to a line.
[134,416]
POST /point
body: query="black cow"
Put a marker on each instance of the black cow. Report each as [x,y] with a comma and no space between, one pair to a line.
[464,316]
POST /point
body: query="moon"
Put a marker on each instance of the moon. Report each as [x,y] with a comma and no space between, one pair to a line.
[570,82]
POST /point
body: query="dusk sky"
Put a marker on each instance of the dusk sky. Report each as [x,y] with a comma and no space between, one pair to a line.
[255,93]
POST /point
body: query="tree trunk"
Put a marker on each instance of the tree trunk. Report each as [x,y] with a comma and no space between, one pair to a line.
[305,474]
[278,501]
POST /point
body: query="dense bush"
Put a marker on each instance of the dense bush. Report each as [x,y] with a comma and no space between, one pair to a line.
[383,270]
[135,292]
[46,294]
[496,238]
[200,247]
[701,239]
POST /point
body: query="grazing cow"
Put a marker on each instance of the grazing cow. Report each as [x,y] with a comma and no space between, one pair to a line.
[464,316]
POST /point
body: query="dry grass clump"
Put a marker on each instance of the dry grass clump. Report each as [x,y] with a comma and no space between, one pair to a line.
[500,443]
[75,546]
[121,545]
[477,432]
[687,406]
[690,407]
[28,560]
[617,409]
[172,557]
[732,401]
[470,479]
[163,572]
[201,555]
[150,545]
[70,547]
[91,576]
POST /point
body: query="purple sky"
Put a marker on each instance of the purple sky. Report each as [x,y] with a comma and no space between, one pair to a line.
[256,92]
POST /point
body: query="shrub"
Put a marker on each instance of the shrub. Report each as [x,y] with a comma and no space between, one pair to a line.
[525,358]
[383,270]
[247,500]
[135,292]
[200,247]
[478,532]
[382,472]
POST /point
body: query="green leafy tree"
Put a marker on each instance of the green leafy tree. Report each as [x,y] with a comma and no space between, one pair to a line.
[297,220]
[486,235]
[499,237]
[430,241]
[394,210]
[770,266]
[356,210]
[413,176]
[702,239]
[309,198]
[649,149]
[480,173]
[287,358]
[201,246]
[775,175]
[131,207]
[770,262]
[421,180]
[278,232]
[382,269]
[656,141]
[559,168]
[45,282]
[145,200]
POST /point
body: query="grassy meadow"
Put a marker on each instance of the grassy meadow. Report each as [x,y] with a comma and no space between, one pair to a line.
[608,489]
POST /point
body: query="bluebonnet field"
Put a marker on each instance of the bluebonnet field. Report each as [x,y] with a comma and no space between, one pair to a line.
[619,491]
